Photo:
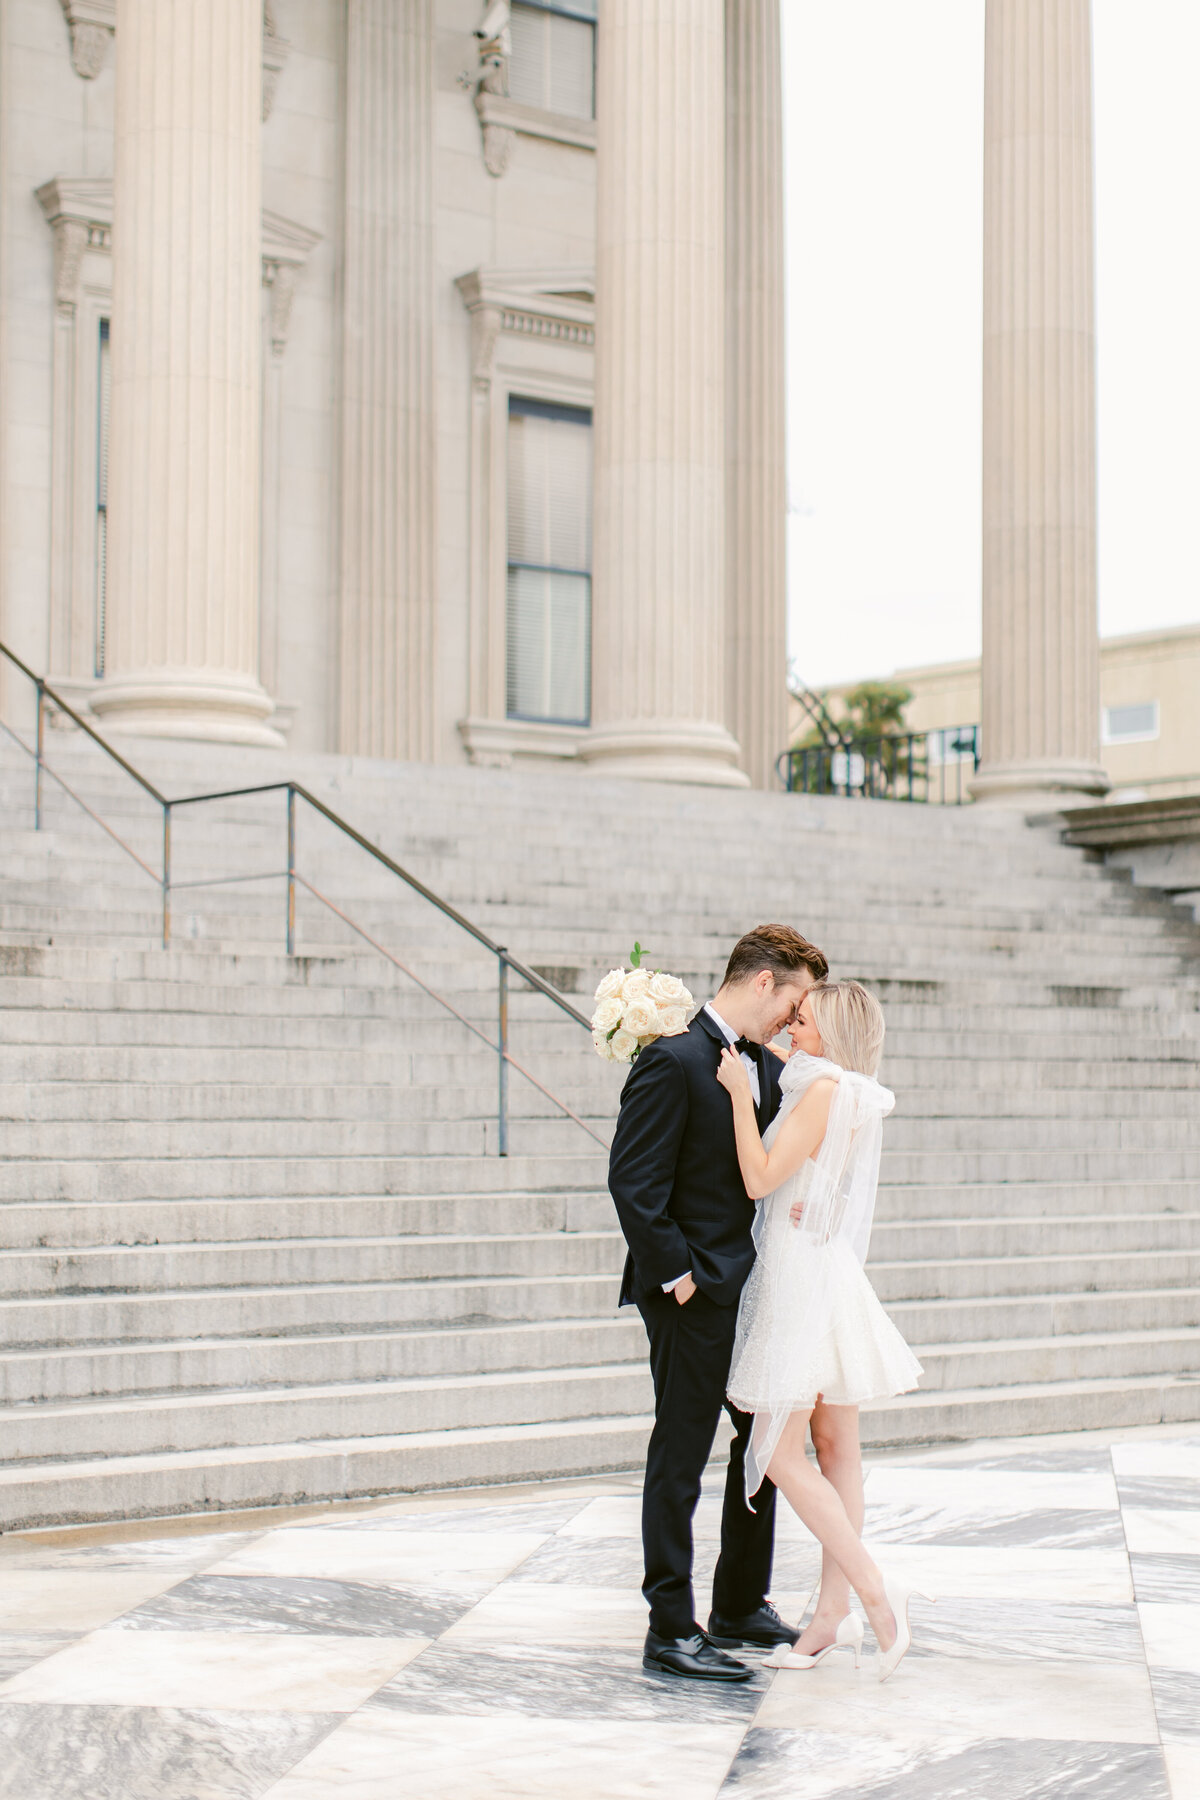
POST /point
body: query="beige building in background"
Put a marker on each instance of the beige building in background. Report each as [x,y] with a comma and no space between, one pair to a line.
[1149,714]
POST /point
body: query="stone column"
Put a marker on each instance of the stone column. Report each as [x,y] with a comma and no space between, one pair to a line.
[182,621]
[387,679]
[756,508]
[1041,685]
[659,681]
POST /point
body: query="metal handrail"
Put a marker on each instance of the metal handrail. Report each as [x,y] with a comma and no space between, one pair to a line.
[294,790]
[909,766]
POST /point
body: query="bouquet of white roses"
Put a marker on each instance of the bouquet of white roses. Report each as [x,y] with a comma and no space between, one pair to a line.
[634,1006]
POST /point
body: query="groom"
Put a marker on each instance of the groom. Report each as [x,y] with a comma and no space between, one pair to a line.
[674,1177]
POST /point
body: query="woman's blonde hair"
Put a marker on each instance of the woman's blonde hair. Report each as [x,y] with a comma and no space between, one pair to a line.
[850,1021]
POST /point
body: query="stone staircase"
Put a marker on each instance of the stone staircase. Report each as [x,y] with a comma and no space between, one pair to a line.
[258,1246]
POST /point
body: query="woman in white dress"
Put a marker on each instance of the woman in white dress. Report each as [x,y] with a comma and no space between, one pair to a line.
[813,1342]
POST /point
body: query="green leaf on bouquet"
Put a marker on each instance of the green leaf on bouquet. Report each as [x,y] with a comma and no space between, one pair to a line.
[635,956]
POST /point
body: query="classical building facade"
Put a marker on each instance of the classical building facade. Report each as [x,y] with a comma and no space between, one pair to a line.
[405,378]
[308,435]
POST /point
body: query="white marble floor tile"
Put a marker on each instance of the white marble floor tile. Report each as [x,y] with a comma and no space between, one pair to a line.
[224,1671]
[1172,1634]
[440,1557]
[1165,1533]
[532,1612]
[76,1599]
[1183,1771]
[936,1697]
[981,1490]
[615,1516]
[985,1572]
[1158,1459]
[132,1555]
[383,1756]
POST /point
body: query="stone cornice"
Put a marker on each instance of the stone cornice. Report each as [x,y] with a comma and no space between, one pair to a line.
[555,304]
[79,210]
[501,113]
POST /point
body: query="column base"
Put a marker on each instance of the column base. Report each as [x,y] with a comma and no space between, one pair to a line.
[1033,783]
[675,750]
[223,708]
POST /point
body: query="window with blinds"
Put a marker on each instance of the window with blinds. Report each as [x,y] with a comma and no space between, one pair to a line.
[553,62]
[103,408]
[549,562]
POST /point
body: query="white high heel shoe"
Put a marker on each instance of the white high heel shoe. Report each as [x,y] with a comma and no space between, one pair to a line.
[849,1637]
[898,1597]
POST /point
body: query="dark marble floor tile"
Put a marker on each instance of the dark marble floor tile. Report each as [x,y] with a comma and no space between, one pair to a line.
[541,1515]
[591,1682]
[1089,1461]
[21,1649]
[1177,1702]
[1025,1629]
[1159,1493]
[1171,1578]
[302,1604]
[801,1765]
[1055,1528]
[142,1753]
[588,1562]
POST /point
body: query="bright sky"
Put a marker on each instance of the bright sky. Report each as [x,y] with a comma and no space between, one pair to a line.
[884,108]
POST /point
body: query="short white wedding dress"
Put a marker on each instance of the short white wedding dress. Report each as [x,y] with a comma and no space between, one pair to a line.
[810,1324]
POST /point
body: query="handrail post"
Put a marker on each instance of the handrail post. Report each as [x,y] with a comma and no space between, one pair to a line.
[502,1046]
[291,870]
[37,771]
[166,875]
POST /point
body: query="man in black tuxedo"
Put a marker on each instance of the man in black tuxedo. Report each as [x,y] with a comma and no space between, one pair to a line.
[674,1177]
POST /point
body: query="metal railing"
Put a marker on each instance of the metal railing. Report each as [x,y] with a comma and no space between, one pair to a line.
[292,876]
[930,767]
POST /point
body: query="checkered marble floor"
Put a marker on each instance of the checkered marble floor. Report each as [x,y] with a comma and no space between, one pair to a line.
[487,1647]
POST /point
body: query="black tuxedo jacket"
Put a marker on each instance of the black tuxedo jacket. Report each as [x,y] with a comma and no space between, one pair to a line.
[673,1170]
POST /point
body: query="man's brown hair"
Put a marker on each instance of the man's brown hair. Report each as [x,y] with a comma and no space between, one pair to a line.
[777,948]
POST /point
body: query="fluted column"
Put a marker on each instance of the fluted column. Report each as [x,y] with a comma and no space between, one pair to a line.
[387,679]
[182,614]
[756,509]
[1041,685]
[659,682]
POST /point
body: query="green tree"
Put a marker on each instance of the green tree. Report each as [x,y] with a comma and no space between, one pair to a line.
[872,709]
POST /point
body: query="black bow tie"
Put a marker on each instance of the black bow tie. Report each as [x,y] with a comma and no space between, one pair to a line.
[743,1047]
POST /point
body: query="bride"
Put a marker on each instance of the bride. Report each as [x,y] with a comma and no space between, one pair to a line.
[812,1340]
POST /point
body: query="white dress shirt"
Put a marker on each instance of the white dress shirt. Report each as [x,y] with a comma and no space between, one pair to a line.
[731,1037]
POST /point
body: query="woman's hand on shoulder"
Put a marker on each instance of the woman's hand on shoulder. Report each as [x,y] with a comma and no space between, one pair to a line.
[731,1073]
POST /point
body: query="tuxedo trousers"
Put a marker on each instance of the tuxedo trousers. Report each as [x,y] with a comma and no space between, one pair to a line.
[691,1347]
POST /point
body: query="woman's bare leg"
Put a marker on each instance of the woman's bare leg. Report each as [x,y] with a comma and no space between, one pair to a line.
[817,1503]
[835,1439]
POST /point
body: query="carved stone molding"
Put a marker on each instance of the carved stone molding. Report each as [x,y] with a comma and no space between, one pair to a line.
[91,24]
[79,211]
[286,248]
[554,304]
[79,214]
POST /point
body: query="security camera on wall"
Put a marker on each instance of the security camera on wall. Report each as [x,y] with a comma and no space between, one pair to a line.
[494,21]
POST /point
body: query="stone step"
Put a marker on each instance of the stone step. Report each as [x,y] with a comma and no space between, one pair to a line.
[982,1277]
[150,1485]
[65,1224]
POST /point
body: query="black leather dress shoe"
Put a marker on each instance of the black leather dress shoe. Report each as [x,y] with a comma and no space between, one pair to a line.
[692,1657]
[764,1629]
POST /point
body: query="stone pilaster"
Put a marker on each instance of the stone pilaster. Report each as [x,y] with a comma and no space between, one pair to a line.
[659,682]
[387,678]
[1041,687]
[182,655]
[756,494]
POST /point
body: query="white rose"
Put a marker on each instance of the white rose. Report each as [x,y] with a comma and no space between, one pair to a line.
[622,1045]
[668,990]
[606,1015]
[641,1017]
[602,1046]
[610,987]
[636,985]
[672,1020]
